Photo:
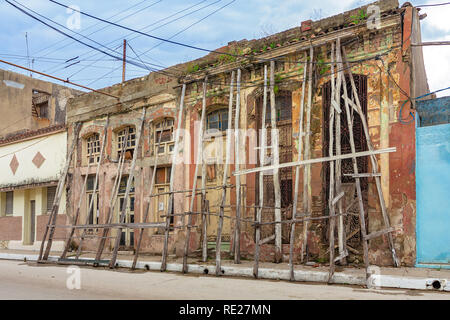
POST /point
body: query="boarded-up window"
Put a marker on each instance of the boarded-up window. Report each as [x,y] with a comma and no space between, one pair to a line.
[9,203]
[163,175]
[51,191]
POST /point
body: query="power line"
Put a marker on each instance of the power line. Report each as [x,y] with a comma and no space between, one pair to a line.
[137,4]
[56,78]
[146,34]
[190,26]
[84,43]
[104,27]
[160,20]
[198,21]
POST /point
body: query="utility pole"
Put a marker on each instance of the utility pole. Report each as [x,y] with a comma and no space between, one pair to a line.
[124,59]
[28,54]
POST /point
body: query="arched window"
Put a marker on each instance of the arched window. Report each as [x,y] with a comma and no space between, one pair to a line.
[128,146]
[217,119]
[93,148]
[164,140]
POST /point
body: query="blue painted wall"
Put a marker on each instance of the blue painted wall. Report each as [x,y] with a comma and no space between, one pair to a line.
[433,194]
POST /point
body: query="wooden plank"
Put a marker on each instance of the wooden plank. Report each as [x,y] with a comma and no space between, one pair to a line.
[377,234]
[194,184]
[262,156]
[152,185]
[225,178]
[331,196]
[203,210]
[265,240]
[102,151]
[276,160]
[362,175]
[316,160]
[56,201]
[172,178]
[374,163]
[307,171]
[114,226]
[237,229]
[297,172]
[128,189]
[355,170]
[338,168]
[337,198]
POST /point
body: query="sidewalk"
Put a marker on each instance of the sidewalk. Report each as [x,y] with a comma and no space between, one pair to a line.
[385,277]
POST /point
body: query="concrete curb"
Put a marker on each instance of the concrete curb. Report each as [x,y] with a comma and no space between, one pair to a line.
[374,281]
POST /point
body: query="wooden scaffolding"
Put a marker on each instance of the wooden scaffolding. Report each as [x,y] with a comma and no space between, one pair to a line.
[337,212]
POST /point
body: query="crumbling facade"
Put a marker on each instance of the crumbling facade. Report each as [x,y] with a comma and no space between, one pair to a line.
[32,153]
[140,132]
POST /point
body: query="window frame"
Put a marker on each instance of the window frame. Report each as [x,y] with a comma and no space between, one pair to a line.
[130,143]
[222,124]
[9,214]
[159,127]
[92,148]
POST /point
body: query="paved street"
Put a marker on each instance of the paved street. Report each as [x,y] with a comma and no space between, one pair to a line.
[19,280]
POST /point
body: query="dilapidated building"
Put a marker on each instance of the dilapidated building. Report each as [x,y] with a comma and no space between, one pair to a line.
[32,153]
[342,167]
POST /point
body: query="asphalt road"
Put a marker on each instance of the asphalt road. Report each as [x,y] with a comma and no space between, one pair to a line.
[19,280]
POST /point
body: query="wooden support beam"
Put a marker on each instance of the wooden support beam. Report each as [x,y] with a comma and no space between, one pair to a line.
[128,189]
[297,172]
[337,198]
[307,171]
[331,195]
[237,145]
[56,201]
[262,157]
[374,163]
[355,170]
[91,203]
[338,168]
[113,199]
[194,185]
[362,175]
[276,160]
[268,239]
[170,208]
[149,202]
[316,160]
[377,234]
[115,226]
[225,178]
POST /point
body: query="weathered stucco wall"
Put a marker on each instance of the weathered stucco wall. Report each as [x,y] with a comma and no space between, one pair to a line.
[16,103]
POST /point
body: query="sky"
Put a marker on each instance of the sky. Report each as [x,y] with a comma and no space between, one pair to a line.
[203,23]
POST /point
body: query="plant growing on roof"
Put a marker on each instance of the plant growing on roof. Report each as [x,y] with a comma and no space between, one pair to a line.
[356,19]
